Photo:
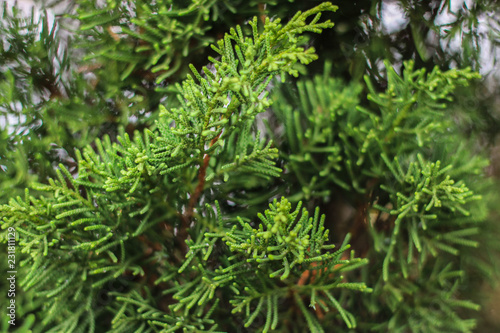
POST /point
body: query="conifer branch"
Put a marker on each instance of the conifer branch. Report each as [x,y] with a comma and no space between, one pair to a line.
[161,225]
[226,99]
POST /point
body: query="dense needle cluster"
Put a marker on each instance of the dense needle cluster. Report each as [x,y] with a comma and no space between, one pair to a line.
[255,194]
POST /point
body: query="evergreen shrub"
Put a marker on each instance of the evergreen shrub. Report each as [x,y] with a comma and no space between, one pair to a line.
[183,166]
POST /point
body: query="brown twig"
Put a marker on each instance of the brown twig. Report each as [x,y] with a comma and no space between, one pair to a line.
[188,215]
[262,12]
[309,275]
[113,34]
[359,228]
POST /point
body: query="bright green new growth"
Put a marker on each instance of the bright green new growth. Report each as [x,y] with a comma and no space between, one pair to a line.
[282,238]
[82,236]
[289,247]
[234,94]
[165,229]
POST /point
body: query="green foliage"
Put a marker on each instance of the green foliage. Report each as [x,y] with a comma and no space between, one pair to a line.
[158,38]
[430,197]
[340,142]
[91,223]
[413,302]
[386,157]
[263,267]
[162,201]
